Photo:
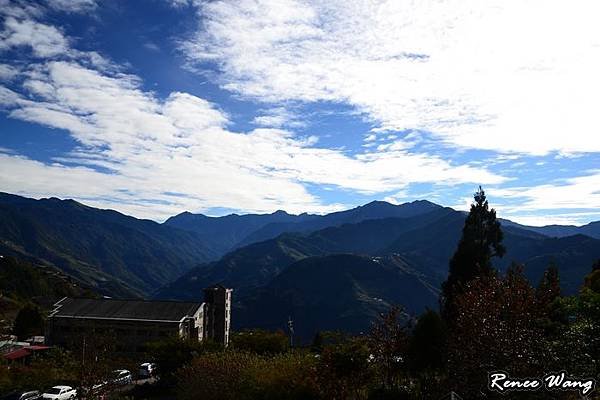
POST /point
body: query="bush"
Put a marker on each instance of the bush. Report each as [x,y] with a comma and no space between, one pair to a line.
[241,375]
[260,341]
[173,353]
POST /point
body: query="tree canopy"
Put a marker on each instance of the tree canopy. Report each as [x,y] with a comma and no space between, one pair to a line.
[481,241]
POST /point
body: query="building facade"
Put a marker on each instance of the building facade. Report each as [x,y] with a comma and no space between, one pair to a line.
[131,324]
[218,313]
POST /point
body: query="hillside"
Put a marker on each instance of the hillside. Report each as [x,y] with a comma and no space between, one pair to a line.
[114,253]
[336,292]
[255,265]
[424,242]
[22,282]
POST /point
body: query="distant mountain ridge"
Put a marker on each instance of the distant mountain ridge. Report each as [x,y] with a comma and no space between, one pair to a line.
[227,232]
[117,255]
[254,265]
[275,258]
[592,229]
[233,231]
[424,243]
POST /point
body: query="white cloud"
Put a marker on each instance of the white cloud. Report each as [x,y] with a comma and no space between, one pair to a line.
[499,75]
[151,46]
[182,144]
[180,3]
[7,72]
[72,6]
[44,40]
[275,121]
[20,9]
[574,193]
[397,198]
[278,117]
[136,150]
[544,220]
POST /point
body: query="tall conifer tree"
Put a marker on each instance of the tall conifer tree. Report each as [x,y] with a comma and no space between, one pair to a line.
[481,240]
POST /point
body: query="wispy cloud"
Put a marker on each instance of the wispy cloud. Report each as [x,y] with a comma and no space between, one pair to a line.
[414,71]
[475,73]
[278,117]
[581,192]
[135,145]
[44,40]
[72,6]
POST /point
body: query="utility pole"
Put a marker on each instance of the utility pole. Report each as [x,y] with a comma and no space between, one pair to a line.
[290,325]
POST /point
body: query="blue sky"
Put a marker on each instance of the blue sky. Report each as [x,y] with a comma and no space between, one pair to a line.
[155,107]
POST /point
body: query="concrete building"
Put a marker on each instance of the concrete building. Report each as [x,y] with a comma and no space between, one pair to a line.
[131,324]
[218,313]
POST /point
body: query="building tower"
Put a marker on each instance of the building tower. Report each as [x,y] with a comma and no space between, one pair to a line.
[217,316]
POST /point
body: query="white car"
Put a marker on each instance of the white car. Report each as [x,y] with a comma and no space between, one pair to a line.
[60,393]
[121,377]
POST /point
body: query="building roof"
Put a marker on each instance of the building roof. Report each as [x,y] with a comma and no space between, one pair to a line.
[24,352]
[159,311]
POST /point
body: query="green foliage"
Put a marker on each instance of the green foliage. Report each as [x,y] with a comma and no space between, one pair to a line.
[29,322]
[317,343]
[388,342]
[241,375]
[26,282]
[173,353]
[427,344]
[344,369]
[587,325]
[548,289]
[260,341]
[481,240]
[44,371]
[592,281]
[553,318]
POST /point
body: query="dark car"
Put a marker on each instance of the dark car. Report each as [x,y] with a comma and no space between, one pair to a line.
[29,395]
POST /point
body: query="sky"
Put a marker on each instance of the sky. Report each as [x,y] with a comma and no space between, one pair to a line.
[154,107]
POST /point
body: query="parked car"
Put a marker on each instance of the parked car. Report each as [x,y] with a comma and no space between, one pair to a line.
[147,370]
[60,393]
[30,395]
[95,389]
[121,377]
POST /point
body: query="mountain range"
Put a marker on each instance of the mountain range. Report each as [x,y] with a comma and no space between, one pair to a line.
[334,271]
[277,278]
[117,255]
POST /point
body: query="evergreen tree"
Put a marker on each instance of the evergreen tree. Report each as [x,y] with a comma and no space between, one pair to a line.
[552,316]
[426,348]
[29,322]
[481,240]
[549,288]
